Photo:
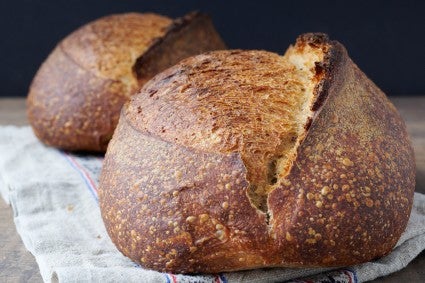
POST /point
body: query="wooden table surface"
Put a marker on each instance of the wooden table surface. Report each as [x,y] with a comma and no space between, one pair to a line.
[18,265]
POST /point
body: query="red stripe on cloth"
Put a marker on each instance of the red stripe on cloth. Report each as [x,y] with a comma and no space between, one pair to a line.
[84,172]
[173,277]
[349,275]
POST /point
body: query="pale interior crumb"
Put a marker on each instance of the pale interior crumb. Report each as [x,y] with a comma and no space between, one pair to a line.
[299,103]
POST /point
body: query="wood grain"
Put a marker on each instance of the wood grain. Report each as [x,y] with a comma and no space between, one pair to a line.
[18,265]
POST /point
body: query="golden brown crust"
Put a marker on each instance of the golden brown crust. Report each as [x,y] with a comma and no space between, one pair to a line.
[349,193]
[75,98]
[108,47]
[174,200]
[242,118]
[167,218]
[66,109]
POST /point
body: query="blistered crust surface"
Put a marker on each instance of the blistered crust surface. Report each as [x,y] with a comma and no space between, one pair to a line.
[224,101]
[76,96]
[67,110]
[189,213]
[108,47]
[349,194]
[346,199]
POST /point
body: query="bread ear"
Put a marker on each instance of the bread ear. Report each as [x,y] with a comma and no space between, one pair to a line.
[177,191]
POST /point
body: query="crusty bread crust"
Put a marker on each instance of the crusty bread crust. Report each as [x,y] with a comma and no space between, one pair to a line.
[350,190]
[76,96]
[174,199]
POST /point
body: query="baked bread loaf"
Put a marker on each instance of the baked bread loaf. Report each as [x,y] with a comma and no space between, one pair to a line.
[76,96]
[236,160]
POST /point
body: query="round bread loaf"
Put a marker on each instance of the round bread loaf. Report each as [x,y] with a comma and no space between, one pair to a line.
[236,160]
[76,96]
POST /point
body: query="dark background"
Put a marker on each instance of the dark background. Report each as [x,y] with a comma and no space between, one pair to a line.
[385,38]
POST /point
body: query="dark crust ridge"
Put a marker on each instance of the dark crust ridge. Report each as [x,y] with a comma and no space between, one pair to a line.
[343,200]
[346,199]
[180,33]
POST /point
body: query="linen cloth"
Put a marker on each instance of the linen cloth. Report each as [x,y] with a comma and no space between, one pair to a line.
[54,200]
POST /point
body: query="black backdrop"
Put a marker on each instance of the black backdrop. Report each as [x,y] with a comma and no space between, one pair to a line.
[385,38]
